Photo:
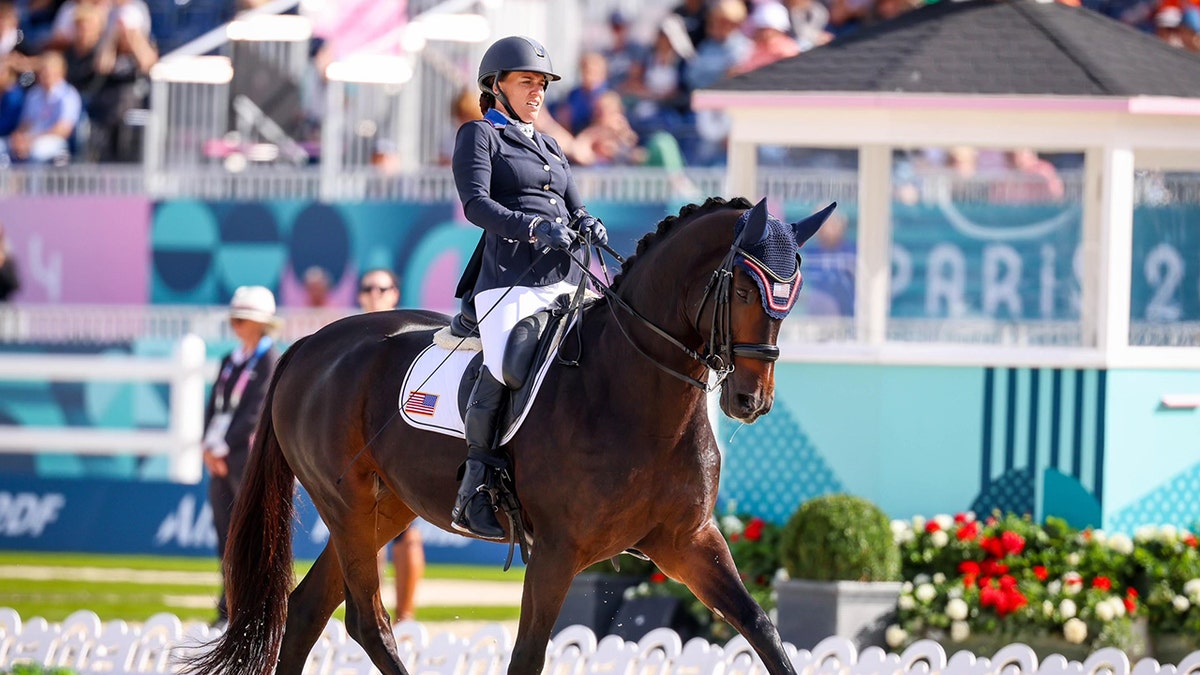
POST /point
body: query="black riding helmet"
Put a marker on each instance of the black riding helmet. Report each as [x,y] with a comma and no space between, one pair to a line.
[515,52]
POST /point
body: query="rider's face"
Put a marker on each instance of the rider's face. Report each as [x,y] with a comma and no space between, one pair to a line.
[525,91]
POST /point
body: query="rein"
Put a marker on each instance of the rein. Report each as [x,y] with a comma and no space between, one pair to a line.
[719,360]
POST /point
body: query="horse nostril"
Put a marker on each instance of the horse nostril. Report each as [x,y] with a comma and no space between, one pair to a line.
[747,402]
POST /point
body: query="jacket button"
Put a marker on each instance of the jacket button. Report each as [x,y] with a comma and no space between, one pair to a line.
[553,201]
[546,186]
[558,220]
[546,167]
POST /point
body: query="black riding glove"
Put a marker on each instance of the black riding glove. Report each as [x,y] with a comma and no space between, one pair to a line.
[591,228]
[550,234]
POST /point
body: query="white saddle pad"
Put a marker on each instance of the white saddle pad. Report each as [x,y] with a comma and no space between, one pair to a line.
[429,394]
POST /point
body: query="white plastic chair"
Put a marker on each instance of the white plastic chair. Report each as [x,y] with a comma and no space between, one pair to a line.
[10,627]
[78,634]
[35,644]
[445,655]
[411,638]
[569,651]
[487,650]
[700,657]
[152,647]
[110,651]
[657,650]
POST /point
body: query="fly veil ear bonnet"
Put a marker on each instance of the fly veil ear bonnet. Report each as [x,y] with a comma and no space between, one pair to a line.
[768,250]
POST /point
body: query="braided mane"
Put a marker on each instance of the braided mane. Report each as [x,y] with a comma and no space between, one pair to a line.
[671,223]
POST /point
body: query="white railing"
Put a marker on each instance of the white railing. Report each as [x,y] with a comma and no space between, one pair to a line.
[180,441]
[86,645]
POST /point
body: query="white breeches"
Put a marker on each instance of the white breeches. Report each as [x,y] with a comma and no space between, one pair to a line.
[498,315]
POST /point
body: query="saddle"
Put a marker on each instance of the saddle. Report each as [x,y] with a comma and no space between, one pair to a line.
[533,341]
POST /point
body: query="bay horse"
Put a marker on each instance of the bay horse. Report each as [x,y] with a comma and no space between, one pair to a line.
[615,454]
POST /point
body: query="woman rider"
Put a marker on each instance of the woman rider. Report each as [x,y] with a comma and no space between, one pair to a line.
[516,184]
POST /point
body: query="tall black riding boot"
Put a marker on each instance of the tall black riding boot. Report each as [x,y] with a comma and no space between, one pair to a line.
[473,508]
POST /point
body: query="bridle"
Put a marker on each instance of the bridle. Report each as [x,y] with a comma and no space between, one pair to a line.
[719,354]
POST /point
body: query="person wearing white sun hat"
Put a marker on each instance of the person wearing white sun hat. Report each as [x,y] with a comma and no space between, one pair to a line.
[234,405]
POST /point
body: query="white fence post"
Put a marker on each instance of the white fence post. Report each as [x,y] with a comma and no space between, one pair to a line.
[187,409]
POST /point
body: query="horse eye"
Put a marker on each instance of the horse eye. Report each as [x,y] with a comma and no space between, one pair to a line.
[743,294]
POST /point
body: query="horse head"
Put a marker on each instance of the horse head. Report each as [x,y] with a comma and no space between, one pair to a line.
[765,281]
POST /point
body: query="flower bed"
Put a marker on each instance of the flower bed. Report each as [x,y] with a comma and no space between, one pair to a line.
[982,584]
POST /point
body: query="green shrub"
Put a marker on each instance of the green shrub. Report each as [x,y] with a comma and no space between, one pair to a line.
[839,538]
[31,669]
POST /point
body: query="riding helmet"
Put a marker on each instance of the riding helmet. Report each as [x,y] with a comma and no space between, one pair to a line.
[515,52]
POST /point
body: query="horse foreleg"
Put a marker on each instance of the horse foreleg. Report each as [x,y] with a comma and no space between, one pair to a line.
[707,568]
[547,579]
[309,607]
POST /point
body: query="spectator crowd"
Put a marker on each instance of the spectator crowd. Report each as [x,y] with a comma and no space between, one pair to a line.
[72,70]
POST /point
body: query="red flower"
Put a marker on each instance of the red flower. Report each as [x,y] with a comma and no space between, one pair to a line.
[1040,572]
[1131,593]
[968,567]
[754,529]
[932,526]
[1130,605]
[1103,583]
[1007,583]
[736,536]
[992,568]
[969,580]
[1012,543]
[1190,540]
[960,518]
[658,578]
[992,546]
[968,531]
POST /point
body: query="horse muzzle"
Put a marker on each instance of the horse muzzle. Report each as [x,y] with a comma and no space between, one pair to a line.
[745,407]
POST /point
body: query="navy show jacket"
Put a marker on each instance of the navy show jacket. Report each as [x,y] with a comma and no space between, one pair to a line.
[504,180]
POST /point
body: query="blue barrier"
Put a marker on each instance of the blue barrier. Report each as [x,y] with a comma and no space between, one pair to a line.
[153,518]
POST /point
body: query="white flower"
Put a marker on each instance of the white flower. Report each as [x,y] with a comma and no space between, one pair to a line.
[1075,631]
[1072,583]
[1073,559]
[1118,606]
[1180,603]
[732,525]
[944,521]
[906,602]
[906,587]
[1099,536]
[1121,543]
[954,592]
[901,532]
[959,631]
[1169,533]
[1067,609]
[896,636]
[1144,533]
[1104,612]
[1054,587]
[1047,608]
[957,609]
[926,593]
[922,578]
[939,578]
[781,574]
[939,539]
[918,523]
[1192,588]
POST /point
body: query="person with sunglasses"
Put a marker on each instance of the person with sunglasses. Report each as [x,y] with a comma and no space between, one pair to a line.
[234,406]
[379,291]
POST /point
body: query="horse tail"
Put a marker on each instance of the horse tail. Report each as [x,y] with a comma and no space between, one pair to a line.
[258,556]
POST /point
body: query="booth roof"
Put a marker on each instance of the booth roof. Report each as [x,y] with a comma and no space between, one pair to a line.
[1005,47]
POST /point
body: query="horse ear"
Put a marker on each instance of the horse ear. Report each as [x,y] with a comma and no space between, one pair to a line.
[756,224]
[806,228]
